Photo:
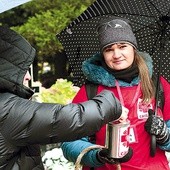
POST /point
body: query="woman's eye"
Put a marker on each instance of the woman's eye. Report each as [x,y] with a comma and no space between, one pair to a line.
[108,50]
[123,46]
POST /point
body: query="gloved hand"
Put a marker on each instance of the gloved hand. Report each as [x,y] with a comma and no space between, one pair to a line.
[157,126]
[103,157]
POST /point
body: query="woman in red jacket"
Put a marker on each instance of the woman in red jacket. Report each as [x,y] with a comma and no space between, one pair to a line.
[125,71]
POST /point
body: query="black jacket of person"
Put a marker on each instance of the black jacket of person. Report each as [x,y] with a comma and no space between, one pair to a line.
[26,124]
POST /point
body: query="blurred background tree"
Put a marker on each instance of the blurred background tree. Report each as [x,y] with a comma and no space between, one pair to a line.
[62,91]
[39,21]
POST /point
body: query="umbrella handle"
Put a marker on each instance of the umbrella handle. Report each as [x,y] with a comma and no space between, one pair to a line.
[153,145]
[153,137]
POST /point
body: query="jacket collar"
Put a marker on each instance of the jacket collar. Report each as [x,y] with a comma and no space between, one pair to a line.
[95,73]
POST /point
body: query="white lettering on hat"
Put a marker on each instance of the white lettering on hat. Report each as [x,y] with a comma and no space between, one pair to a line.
[118,26]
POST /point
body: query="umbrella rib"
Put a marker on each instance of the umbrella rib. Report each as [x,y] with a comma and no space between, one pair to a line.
[103,4]
[90,10]
[110,7]
[153,6]
[100,7]
[147,26]
[134,15]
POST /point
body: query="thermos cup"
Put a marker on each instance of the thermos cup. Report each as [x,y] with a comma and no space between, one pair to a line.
[117,138]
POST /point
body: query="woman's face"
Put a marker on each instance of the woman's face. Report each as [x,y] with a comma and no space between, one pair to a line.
[119,56]
[27,78]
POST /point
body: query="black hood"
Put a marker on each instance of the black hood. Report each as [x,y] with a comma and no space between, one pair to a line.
[16,56]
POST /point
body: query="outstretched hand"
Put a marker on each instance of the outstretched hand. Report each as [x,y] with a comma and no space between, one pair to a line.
[124,115]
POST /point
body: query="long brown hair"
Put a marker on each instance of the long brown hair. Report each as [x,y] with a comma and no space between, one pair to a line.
[147,85]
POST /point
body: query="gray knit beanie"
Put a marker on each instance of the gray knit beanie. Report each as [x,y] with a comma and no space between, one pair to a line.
[111,31]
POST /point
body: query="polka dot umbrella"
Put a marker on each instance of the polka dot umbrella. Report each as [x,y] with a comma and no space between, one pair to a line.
[150,21]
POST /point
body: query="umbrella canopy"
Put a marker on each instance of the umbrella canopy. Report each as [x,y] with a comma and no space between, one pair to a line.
[150,21]
[9,4]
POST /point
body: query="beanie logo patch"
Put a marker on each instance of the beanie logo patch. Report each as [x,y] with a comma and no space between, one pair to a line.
[118,26]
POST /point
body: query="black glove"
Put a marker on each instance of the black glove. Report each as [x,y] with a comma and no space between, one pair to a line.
[102,156]
[157,126]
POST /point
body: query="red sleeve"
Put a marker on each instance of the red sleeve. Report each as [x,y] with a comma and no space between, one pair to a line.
[166,89]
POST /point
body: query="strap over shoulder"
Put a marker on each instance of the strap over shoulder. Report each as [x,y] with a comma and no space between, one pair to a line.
[91,89]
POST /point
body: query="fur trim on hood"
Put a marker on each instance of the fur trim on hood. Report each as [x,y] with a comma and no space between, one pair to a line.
[94,71]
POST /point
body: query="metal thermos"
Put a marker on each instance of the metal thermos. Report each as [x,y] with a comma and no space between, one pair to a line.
[117,141]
